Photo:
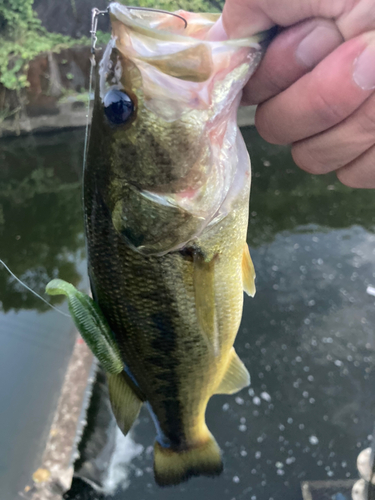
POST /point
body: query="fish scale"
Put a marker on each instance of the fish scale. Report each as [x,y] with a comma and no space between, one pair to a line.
[131,289]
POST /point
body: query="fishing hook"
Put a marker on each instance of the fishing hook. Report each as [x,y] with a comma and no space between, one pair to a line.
[95,13]
[160,11]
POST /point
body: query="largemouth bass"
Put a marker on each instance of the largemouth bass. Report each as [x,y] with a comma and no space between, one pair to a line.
[166,195]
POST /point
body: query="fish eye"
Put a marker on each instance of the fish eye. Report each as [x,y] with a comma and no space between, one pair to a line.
[118,107]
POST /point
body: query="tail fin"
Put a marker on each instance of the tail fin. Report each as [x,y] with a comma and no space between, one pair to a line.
[173,467]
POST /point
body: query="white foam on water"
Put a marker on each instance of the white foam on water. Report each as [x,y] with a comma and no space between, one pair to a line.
[266,397]
[126,450]
[313,440]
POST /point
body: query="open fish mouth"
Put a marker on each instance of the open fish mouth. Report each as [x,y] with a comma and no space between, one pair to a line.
[162,25]
[184,92]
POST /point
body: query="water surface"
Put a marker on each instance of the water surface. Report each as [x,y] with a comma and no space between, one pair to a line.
[41,237]
[307,337]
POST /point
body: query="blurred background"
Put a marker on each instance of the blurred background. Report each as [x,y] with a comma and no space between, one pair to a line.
[307,338]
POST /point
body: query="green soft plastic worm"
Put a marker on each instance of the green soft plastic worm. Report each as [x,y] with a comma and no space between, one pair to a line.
[91,324]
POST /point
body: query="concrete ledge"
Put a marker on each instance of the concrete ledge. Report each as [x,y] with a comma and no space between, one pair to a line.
[72,114]
[69,114]
[246,116]
[54,476]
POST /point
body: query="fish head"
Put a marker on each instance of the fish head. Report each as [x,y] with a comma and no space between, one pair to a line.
[165,116]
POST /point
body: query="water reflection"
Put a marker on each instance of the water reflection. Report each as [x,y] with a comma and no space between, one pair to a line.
[307,337]
[41,228]
[308,340]
[284,198]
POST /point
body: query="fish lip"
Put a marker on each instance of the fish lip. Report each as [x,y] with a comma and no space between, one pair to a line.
[121,13]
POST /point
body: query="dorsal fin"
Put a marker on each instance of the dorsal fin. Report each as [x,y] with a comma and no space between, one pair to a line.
[204,290]
[248,272]
[236,376]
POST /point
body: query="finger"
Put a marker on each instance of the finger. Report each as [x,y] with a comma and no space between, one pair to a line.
[339,145]
[291,55]
[359,173]
[243,18]
[332,91]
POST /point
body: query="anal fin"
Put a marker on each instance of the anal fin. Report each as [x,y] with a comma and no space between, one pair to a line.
[126,403]
[236,376]
[248,272]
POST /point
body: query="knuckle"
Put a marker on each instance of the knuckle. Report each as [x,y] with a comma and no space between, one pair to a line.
[360,173]
[328,111]
[263,127]
[268,124]
[367,117]
[308,159]
[276,81]
[346,177]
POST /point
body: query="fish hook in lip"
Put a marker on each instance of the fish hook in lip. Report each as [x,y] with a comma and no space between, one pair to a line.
[95,13]
[161,11]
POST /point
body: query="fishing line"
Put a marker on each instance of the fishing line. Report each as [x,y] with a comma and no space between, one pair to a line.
[95,13]
[32,291]
[87,116]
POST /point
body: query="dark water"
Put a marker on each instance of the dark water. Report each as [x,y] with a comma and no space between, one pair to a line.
[308,336]
[41,237]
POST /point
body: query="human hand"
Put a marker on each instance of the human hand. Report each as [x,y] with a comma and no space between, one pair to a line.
[316,84]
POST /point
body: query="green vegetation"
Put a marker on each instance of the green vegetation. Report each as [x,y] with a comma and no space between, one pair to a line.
[22,37]
[191,5]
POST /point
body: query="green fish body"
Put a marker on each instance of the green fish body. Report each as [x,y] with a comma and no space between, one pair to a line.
[166,194]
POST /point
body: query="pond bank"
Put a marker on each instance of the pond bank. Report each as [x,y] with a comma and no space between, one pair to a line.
[55,473]
[57,95]
[72,113]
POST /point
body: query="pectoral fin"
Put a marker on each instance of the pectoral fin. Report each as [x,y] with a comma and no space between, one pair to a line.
[204,289]
[126,404]
[248,272]
[236,377]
